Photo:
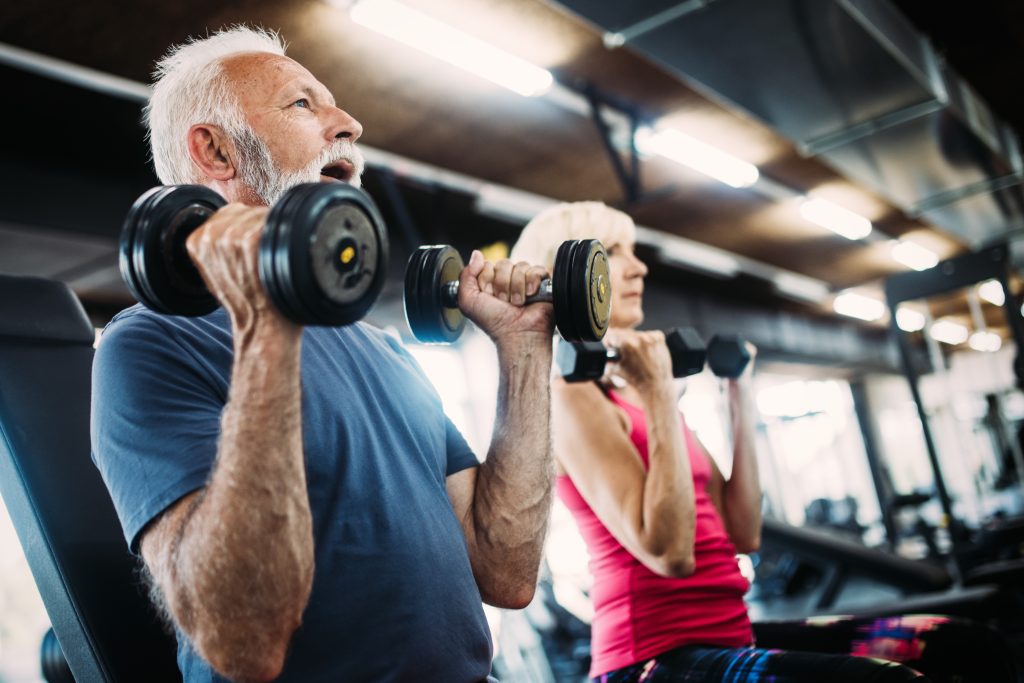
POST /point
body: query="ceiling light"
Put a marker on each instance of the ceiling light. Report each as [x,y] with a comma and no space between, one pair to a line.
[992,292]
[700,156]
[909,320]
[858,306]
[696,256]
[424,33]
[509,204]
[948,332]
[986,341]
[841,221]
[914,255]
[800,287]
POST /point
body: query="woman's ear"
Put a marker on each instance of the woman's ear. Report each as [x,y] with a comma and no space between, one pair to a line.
[212,151]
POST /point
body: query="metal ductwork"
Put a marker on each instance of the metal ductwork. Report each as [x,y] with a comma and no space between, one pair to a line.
[851,82]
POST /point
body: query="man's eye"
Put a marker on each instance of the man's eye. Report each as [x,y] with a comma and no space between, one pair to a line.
[301,103]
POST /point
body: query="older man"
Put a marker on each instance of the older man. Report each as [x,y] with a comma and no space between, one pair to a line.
[304,508]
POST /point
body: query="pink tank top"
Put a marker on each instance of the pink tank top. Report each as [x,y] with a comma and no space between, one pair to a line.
[639,614]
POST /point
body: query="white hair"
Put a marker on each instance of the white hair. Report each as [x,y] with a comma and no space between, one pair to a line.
[539,241]
[189,88]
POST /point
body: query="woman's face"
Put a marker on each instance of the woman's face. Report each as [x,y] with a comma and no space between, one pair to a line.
[627,272]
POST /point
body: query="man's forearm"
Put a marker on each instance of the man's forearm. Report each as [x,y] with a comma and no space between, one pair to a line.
[512,498]
[243,564]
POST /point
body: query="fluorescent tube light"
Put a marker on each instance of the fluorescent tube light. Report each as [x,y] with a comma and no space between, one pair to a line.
[700,156]
[986,341]
[425,33]
[914,255]
[858,306]
[948,332]
[992,292]
[699,257]
[841,221]
[909,320]
[800,287]
[510,204]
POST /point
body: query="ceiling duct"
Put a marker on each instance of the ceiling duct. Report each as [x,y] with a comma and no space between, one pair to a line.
[849,81]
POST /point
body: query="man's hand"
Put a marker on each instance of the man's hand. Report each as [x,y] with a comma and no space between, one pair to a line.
[225,250]
[493,296]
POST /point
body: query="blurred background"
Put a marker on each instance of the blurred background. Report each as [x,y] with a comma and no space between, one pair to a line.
[838,181]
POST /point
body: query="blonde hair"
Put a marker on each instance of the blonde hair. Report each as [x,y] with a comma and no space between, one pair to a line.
[541,237]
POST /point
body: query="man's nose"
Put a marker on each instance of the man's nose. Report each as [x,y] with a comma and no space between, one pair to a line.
[345,127]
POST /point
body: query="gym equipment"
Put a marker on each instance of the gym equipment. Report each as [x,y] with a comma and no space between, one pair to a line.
[992,262]
[580,289]
[584,361]
[728,355]
[322,254]
[57,500]
[52,662]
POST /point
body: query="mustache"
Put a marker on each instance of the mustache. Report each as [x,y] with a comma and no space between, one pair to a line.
[339,150]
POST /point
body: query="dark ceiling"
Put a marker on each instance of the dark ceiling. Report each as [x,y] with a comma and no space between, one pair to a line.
[75,152]
[984,41]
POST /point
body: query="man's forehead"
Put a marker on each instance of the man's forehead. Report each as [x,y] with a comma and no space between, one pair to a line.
[263,74]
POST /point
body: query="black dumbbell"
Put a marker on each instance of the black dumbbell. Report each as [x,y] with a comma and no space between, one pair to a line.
[580,289]
[322,255]
[584,361]
[728,355]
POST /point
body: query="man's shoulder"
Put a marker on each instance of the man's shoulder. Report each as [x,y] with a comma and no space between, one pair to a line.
[368,337]
[140,316]
[139,330]
[142,319]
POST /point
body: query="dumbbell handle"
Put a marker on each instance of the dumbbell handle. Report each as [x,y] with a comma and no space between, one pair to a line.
[450,293]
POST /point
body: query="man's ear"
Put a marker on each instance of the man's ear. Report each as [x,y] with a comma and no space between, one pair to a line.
[211,151]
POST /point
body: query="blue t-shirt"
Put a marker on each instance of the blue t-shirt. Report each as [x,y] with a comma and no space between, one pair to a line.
[394,597]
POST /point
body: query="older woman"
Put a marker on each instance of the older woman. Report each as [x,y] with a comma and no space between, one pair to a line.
[661,523]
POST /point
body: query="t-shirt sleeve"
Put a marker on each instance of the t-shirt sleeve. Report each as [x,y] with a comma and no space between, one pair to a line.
[155,420]
[460,455]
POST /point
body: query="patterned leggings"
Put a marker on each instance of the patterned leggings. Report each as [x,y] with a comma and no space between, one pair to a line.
[946,650]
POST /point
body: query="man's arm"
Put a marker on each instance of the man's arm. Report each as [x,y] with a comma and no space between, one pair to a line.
[234,561]
[504,504]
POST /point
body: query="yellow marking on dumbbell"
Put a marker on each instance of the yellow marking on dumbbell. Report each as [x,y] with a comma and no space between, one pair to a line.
[347,254]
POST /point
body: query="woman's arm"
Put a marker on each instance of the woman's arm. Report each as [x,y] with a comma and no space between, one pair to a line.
[738,499]
[650,512]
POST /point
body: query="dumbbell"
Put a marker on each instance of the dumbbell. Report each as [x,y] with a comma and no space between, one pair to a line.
[584,361]
[728,355]
[322,253]
[580,289]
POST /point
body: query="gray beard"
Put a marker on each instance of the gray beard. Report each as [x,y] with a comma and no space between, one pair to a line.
[258,171]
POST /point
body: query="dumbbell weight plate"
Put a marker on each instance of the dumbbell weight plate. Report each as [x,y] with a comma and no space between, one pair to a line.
[564,318]
[599,293]
[581,289]
[727,355]
[323,254]
[430,318]
[153,259]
